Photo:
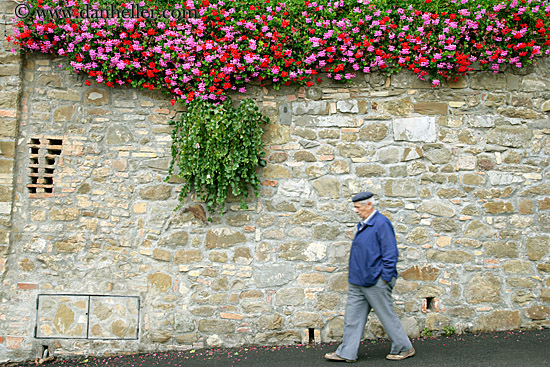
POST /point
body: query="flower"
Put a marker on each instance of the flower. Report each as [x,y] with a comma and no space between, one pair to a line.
[258,42]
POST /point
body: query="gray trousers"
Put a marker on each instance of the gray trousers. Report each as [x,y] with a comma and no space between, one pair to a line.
[360,302]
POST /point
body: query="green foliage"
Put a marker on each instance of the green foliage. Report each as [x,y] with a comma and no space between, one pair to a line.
[449,330]
[426,333]
[217,149]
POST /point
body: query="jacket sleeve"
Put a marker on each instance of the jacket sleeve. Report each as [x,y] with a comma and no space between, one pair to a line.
[388,250]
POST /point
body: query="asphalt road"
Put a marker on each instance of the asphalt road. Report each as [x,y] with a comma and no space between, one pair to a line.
[517,348]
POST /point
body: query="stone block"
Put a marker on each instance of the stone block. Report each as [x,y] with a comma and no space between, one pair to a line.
[510,136]
[498,321]
[270,322]
[242,255]
[436,321]
[437,154]
[310,108]
[64,113]
[347,106]
[278,157]
[350,150]
[305,133]
[388,155]
[8,100]
[538,312]
[9,70]
[431,108]
[520,113]
[370,170]
[339,167]
[329,133]
[415,129]
[338,283]
[49,80]
[483,288]
[216,326]
[429,291]
[175,239]
[327,187]
[488,81]
[437,208]
[275,171]
[278,338]
[304,156]
[275,134]
[478,229]
[327,301]
[335,328]
[500,249]
[156,192]
[373,132]
[402,107]
[311,279]
[451,257]
[500,178]
[223,237]
[544,221]
[400,188]
[159,282]
[326,232]
[537,247]
[118,135]
[289,297]
[299,251]
[305,217]
[419,236]
[188,256]
[517,267]
[424,273]
[308,320]
[96,96]
[274,275]
[64,214]
[498,207]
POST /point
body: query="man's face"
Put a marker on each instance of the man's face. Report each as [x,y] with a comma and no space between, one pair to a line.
[363,210]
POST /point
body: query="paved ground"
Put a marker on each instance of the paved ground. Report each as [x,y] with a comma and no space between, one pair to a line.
[518,348]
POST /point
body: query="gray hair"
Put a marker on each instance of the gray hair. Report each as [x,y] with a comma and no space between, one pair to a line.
[369,200]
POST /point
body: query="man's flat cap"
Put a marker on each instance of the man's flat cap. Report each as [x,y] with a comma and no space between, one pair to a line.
[364,195]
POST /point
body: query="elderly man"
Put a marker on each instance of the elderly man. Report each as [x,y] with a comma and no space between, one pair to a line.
[372,275]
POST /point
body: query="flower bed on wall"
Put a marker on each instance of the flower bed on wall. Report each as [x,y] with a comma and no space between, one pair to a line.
[202,49]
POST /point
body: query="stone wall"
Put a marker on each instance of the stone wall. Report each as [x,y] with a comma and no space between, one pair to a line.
[10,90]
[460,170]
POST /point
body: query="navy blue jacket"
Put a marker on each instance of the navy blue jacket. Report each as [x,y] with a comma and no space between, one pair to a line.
[373,252]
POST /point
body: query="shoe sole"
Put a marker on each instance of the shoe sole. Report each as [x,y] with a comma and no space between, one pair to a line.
[339,359]
[397,357]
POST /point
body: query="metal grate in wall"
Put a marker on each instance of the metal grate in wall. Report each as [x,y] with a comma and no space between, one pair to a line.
[44,156]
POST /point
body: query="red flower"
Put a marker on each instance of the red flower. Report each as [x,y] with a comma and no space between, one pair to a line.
[88,83]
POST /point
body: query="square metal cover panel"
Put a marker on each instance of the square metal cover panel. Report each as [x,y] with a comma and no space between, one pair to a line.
[72,316]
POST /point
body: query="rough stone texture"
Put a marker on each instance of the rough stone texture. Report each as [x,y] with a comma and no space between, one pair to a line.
[464,185]
[498,321]
[483,288]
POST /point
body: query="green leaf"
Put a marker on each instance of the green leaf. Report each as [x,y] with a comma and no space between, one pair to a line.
[216,147]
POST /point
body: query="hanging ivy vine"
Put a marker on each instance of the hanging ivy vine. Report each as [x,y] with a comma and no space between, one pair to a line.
[217,149]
